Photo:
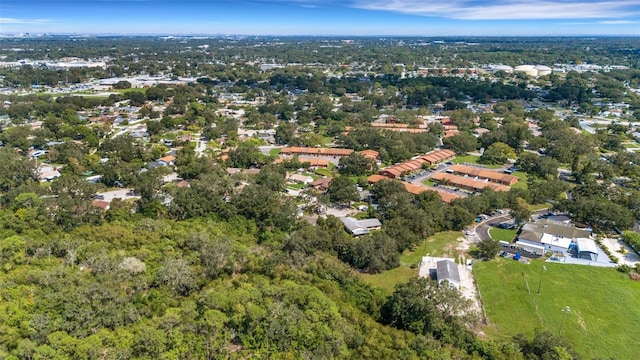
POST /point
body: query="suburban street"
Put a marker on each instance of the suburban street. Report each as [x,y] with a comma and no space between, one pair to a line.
[481,230]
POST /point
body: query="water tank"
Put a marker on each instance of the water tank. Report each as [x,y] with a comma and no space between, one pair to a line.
[543,70]
[527,69]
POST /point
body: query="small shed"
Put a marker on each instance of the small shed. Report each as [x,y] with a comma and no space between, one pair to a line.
[587,249]
[448,270]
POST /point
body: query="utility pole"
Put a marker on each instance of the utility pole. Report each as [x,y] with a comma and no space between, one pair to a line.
[564,311]
[544,268]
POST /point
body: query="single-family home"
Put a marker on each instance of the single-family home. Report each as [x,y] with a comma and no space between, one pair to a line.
[168,160]
[48,173]
[322,184]
[300,179]
[360,227]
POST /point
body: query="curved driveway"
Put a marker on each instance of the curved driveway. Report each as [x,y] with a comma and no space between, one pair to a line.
[482,228]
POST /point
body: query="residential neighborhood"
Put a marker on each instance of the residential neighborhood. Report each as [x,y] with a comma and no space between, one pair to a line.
[210,174]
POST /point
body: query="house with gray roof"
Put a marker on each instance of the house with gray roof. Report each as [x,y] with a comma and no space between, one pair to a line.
[360,227]
[548,235]
[448,270]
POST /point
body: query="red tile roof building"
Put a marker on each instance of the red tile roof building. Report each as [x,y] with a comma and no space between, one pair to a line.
[447,197]
[294,150]
[467,183]
[399,127]
[413,165]
[370,154]
[484,174]
[314,162]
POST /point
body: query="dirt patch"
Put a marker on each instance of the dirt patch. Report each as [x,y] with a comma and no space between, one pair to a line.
[582,323]
[463,244]
[468,286]
[448,251]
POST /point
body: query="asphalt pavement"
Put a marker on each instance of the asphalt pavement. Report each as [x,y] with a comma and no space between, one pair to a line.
[482,228]
[426,174]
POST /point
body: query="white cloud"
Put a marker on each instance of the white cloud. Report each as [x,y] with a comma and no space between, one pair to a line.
[507,9]
[9,21]
[616,22]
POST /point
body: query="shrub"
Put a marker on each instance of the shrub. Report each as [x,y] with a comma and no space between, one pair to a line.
[624,268]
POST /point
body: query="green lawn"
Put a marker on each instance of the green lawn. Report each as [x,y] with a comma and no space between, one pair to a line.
[472,159]
[123,91]
[536,207]
[387,280]
[296,186]
[605,306]
[522,180]
[275,151]
[502,234]
[429,182]
[323,172]
[440,244]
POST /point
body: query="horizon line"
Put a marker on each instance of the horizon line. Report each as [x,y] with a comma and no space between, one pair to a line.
[18,34]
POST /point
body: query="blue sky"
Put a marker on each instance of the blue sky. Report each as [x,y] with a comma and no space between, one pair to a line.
[323,17]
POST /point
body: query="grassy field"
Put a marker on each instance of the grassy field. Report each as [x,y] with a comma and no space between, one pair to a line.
[522,182]
[631,145]
[123,91]
[323,172]
[536,207]
[604,315]
[387,280]
[275,151]
[429,182]
[472,159]
[296,186]
[440,244]
[502,234]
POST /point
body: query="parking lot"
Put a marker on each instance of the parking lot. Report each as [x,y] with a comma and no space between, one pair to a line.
[421,176]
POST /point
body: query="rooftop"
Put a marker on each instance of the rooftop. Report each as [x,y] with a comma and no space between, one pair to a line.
[360,227]
[448,270]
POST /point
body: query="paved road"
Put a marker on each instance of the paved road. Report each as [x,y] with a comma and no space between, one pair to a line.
[267,149]
[482,229]
[418,180]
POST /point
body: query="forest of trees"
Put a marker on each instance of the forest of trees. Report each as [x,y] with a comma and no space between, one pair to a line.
[202,288]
